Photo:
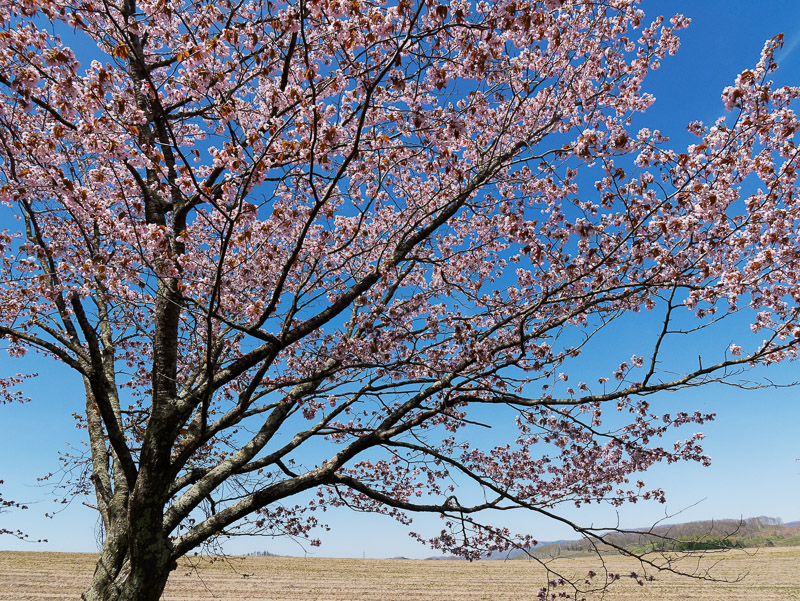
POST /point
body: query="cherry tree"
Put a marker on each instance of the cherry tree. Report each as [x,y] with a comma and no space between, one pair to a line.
[300,253]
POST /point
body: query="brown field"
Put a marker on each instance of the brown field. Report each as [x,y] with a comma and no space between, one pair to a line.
[769,574]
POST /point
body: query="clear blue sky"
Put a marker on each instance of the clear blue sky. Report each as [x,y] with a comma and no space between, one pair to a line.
[754,443]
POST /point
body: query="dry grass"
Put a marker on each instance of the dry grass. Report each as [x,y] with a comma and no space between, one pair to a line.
[772,574]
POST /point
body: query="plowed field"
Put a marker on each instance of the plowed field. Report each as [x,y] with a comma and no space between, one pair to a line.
[767,575]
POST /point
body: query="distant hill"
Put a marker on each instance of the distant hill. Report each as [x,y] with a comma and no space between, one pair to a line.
[689,536]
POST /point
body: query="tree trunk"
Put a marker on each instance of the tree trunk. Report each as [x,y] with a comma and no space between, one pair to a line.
[115,581]
[131,568]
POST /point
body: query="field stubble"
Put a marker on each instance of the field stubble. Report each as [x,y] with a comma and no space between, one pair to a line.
[770,574]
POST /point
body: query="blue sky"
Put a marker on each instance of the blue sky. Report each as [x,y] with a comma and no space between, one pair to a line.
[754,443]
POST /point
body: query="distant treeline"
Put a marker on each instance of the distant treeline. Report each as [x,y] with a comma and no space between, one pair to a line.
[690,536]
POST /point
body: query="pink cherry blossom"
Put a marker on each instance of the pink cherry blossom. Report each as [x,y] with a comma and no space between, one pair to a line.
[309,249]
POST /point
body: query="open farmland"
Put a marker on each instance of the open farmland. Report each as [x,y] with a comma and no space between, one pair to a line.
[771,574]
